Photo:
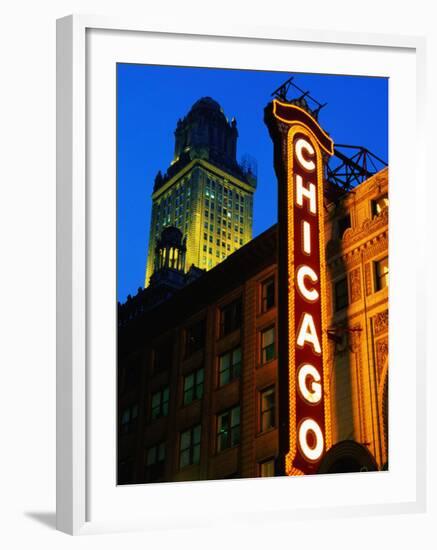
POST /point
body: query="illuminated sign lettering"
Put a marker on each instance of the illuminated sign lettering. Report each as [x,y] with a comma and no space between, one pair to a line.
[300,145]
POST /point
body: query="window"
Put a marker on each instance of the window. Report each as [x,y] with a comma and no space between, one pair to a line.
[267,345]
[379,204]
[155,462]
[267,409]
[268,294]
[228,429]
[229,366]
[193,386]
[381,274]
[343,224]
[189,449]
[267,468]
[195,336]
[341,294]
[230,317]
[128,418]
[160,403]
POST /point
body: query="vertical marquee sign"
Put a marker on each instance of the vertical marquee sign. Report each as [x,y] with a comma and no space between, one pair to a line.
[300,146]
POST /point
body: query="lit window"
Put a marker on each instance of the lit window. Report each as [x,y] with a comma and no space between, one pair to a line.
[193,386]
[228,429]
[267,345]
[379,204]
[381,274]
[160,403]
[189,449]
[267,409]
[229,366]
[268,294]
[341,294]
[267,468]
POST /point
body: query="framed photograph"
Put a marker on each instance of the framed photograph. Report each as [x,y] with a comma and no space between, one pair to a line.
[235,316]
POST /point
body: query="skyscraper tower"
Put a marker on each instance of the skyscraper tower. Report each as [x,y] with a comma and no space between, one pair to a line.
[205,193]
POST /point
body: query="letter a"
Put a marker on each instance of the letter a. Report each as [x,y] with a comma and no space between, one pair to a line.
[307,333]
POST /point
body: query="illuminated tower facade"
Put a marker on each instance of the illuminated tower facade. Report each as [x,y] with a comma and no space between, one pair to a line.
[205,193]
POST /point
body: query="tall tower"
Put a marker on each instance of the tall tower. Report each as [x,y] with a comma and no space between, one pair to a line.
[205,193]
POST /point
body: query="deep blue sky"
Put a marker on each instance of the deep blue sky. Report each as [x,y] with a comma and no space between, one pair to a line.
[150,99]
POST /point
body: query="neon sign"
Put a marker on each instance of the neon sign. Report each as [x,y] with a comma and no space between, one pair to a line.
[300,144]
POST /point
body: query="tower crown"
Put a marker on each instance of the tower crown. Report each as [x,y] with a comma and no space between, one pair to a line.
[206,133]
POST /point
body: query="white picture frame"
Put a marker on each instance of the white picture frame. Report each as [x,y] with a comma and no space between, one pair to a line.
[76,423]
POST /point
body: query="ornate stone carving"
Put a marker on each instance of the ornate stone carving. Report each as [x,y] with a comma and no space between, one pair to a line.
[380,323]
[381,355]
[368,279]
[368,226]
[355,338]
[355,284]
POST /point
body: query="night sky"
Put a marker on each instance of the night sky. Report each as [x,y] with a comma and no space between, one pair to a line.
[150,99]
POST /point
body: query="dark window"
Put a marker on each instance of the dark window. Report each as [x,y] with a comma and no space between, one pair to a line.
[230,317]
[195,337]
[268,294]
[267,468]
[267,345]
[163,355]
[229,366]
[343,224]
[189,449]
[193,386]
[129,418]
[381,274]
[228,429]
[341,294]
[379,204]
[160,403]
[267,409]
[155,463]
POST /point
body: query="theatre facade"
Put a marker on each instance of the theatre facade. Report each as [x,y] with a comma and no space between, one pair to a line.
[200,391]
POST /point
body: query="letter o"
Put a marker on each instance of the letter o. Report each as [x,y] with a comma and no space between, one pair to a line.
[311,453]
